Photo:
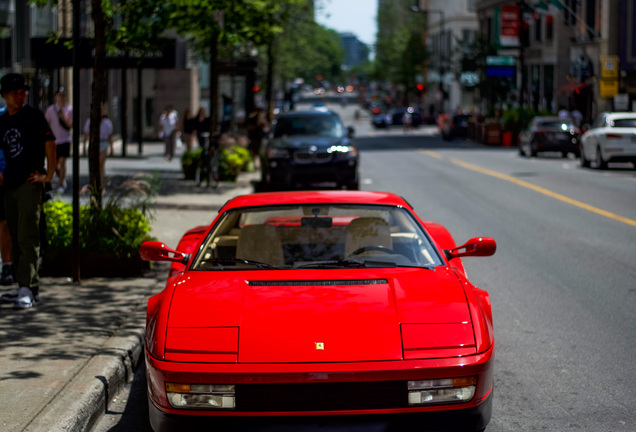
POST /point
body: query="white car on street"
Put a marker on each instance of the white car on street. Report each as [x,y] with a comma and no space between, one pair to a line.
[612,138]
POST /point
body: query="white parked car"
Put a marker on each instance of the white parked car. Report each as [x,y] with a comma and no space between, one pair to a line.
[612,138]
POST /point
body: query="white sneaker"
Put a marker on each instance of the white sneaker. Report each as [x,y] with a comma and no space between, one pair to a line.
[25,299]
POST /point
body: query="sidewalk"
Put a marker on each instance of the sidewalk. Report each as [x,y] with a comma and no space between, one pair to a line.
[63,361]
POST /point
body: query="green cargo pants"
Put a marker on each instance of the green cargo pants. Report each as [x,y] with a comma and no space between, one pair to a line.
[23,206]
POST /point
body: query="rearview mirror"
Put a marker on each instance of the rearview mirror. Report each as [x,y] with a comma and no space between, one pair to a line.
[157,251]
[316,222]
[476,246]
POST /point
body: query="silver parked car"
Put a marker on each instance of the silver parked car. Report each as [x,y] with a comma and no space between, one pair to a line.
[612,138]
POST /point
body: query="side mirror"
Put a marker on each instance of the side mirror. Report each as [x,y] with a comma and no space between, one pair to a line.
[157,251]
[476,246]
[351,132]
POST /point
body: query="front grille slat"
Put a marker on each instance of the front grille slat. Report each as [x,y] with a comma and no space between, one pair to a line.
[312,157]
[321,396]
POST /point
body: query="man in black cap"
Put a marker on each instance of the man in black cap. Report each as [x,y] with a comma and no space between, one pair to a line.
[27,140]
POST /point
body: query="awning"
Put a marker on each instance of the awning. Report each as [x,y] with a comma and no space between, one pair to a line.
[569,88]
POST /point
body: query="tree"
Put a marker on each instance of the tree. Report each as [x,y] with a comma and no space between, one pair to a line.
[400,51]
[212,26]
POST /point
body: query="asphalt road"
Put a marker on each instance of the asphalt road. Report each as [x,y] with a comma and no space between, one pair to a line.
[562,282]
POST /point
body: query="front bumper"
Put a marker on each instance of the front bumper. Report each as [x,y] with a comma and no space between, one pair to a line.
[379,376]
[470,419]
[570,145]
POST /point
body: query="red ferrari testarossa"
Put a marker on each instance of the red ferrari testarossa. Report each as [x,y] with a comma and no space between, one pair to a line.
[319,303]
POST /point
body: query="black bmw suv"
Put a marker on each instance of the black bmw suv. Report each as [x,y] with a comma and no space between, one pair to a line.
[309,148]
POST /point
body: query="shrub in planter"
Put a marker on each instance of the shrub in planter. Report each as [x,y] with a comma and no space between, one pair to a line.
[232,161]
[190,161]
[109,237]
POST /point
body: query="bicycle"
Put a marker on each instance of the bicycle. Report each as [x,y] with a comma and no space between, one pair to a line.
[209,164]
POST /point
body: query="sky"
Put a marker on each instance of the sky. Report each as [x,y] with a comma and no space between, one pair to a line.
[353,16]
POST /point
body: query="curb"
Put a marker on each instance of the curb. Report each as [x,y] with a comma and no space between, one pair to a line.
[82,402]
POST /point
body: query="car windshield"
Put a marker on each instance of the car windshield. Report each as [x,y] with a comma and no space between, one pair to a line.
[624,123]
[316,236]
[319,125]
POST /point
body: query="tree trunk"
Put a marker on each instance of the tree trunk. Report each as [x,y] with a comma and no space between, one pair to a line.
[124,110]
[97,95]
[214,84]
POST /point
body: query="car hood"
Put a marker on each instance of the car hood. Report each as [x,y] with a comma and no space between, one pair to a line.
[309,316]
[308,141]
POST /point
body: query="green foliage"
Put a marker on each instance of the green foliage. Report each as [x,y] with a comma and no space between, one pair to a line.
[232,161]
[399,37]
[190,161]
[307,50]
[118,229]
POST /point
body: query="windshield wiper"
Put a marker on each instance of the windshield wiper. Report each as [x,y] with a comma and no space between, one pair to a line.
[226,261]
[348,263]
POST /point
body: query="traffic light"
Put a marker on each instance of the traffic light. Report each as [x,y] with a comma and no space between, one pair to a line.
[419,89]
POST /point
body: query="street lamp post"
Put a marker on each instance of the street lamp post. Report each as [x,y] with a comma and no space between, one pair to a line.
[442,48]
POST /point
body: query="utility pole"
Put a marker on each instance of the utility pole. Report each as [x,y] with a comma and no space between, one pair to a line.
[522,60]
[76,140]
[442,49]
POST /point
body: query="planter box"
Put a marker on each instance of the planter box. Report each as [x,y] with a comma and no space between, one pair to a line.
[94,264]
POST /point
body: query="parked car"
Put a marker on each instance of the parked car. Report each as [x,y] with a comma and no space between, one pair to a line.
[395,116]
[307,148]
[457,127]
[612,138]
[319,303]
[550,134]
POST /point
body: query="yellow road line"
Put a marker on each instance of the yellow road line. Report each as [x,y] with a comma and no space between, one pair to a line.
[535,188]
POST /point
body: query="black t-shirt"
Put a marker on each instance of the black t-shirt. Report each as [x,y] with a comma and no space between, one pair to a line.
[22,137]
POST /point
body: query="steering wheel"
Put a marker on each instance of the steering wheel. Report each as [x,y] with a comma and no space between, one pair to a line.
[384,249]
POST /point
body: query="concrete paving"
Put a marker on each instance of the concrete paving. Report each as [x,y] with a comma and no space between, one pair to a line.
[63,360]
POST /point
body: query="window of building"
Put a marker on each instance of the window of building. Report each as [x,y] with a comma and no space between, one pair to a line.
[570,12]
[538,27]
[590,17]
[549,28]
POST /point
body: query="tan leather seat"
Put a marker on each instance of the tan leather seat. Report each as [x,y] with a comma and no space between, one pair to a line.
[260,243]
[367,231]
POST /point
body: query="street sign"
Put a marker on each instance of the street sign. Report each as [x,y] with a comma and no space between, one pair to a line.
[609,67]
[500,61]
[608,88]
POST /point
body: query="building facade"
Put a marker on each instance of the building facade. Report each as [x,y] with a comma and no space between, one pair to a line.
[24,32]
[577,54]
[451,26]
[356,51]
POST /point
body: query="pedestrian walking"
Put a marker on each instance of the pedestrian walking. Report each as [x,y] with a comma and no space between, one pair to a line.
[577,117]
[168,130]
[60,118]
[105,141]
[202,125]
[188,128]
[257,125]
[563,112]
[27,141]
[407,119]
